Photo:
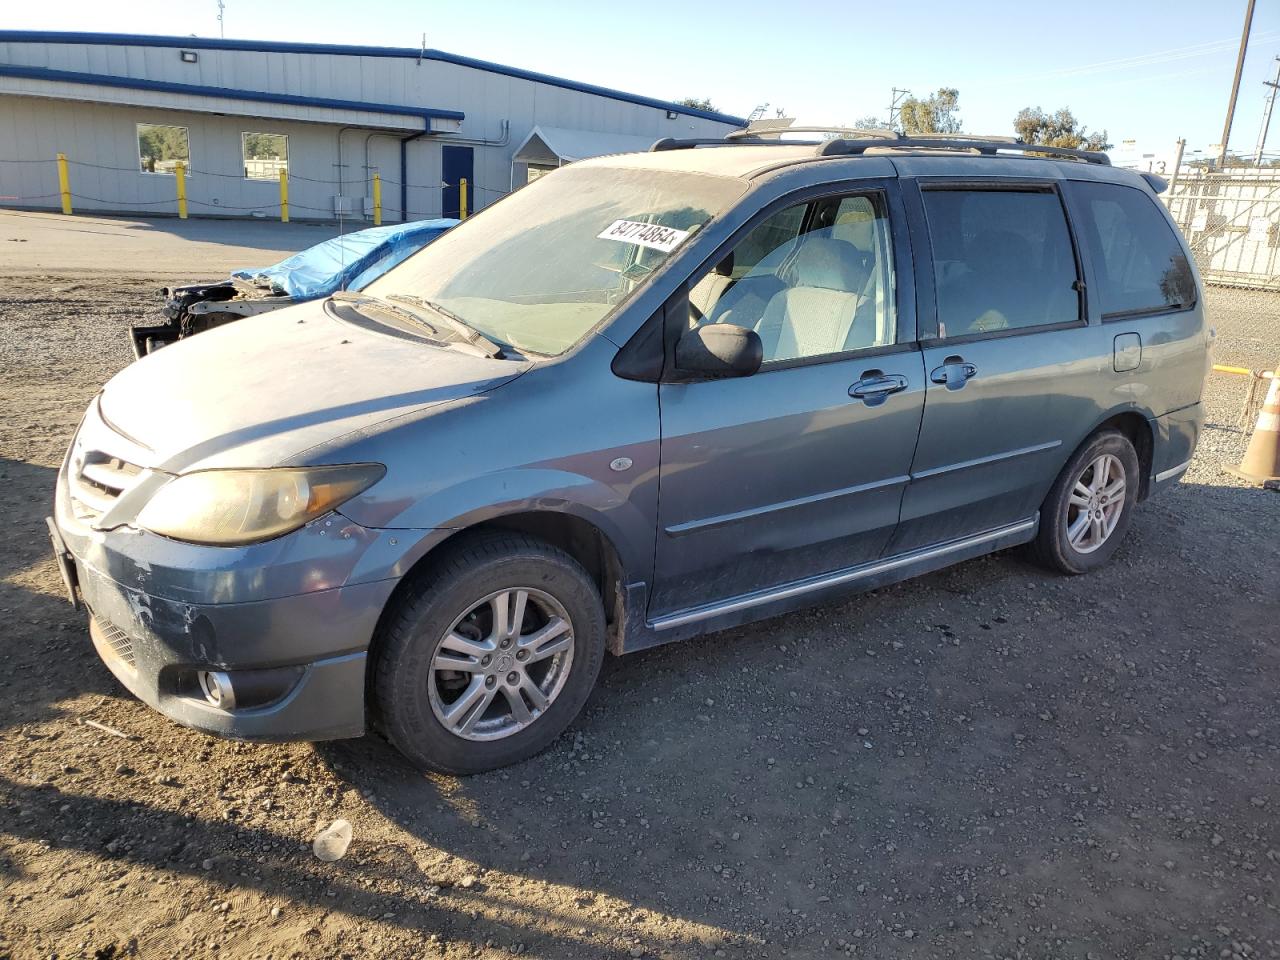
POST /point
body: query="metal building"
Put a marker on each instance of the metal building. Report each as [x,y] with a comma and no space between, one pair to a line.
[127,110]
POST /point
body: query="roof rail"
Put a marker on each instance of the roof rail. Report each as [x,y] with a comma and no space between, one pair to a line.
[862,133]
[986,145]
[672,143]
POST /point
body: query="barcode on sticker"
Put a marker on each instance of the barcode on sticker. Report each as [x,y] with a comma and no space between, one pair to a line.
[652,235]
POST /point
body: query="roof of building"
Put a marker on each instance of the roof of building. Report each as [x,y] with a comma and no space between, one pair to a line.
[423,114]
[274,46]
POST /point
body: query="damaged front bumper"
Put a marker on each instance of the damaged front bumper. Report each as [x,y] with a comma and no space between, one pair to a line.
[286,624]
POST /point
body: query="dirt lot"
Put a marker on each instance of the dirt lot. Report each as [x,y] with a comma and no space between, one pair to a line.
[984,762]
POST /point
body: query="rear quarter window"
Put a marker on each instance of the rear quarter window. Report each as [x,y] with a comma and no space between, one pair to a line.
[1141,267]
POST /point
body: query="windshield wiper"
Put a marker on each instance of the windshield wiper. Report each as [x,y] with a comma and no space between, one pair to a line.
[460,326]
[473,342]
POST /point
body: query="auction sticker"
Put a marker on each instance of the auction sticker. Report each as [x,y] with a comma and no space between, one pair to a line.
[652,235]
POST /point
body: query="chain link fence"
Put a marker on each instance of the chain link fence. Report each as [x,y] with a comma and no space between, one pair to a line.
[1231,220]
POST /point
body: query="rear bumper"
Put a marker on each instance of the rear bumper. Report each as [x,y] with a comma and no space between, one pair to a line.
[1176,435]
[310,647]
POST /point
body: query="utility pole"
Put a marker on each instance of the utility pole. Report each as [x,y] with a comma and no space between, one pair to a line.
[1266,115]
[897,95]
[1235,84]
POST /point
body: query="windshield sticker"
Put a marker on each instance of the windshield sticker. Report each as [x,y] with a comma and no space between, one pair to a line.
[652,235]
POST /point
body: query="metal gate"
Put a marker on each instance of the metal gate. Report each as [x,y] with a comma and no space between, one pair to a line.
[1232,222]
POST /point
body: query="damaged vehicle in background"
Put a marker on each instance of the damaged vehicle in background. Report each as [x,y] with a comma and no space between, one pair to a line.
[348,262]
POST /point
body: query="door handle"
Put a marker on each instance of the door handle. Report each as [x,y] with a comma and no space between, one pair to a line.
[875,386]
[954,373]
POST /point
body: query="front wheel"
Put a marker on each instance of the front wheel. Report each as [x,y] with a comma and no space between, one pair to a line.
[1087,512]
[488,658]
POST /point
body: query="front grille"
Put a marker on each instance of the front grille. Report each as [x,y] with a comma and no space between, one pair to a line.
[102,466]
[115,640]
[97,480]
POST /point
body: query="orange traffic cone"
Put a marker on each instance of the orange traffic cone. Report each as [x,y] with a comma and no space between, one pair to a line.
[1261,463]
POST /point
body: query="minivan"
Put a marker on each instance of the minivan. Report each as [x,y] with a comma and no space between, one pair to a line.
[646,397]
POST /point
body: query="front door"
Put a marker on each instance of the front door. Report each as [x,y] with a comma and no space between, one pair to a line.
[1013,366]
[798,470]
[457,164]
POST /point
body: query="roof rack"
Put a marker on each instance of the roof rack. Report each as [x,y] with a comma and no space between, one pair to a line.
[673,143]
[863,133]
[852,142]
[987,146]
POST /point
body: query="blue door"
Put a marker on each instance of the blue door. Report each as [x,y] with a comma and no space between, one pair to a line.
[457,163]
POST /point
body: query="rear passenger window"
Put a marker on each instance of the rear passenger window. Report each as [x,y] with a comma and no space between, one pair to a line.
[1140,263]
[1002,260]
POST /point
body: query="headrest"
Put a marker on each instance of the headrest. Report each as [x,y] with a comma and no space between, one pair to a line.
[857,225]
[824,262]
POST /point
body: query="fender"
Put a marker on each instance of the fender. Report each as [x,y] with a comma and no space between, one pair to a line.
[629,524]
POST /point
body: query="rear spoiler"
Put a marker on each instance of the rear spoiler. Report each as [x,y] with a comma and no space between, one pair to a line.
[1158,184]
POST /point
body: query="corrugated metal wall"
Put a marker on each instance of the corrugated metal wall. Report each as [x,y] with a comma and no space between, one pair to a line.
[36,129]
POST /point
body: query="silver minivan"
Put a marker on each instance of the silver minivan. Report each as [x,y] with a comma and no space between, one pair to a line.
[646,397]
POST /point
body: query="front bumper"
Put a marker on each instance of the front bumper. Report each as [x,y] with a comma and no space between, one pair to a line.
[313,645]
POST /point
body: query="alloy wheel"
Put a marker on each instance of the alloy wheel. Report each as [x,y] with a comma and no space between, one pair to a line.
[1096,503]
[501,664]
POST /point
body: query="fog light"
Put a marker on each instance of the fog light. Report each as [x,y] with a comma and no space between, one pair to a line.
[217,689]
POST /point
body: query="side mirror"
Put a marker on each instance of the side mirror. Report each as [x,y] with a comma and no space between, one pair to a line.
[719,350]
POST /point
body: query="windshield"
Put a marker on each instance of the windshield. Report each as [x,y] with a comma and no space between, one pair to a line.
[540,269]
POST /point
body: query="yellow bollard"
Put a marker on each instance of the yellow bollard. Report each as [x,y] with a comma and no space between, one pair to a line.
[284,195]
[64,183]
[180,172]
[462,199]
[377,200]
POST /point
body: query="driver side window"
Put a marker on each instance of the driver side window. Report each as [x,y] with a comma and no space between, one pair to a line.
[813,279]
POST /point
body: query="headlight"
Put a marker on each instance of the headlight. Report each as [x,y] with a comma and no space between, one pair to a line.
[228,507]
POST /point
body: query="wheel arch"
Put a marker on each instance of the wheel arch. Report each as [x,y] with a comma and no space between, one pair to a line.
[1136,426]
[585,540]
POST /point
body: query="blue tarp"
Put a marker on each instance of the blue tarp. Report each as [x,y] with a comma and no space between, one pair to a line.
[348,262]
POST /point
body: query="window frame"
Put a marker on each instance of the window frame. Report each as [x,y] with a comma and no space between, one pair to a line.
[926,279]
[674,312]
[137,139]
[244,157]
[1091,243]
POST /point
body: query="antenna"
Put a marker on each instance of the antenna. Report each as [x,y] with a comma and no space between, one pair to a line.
[222,29]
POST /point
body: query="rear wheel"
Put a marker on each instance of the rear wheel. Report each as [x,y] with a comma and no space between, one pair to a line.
[488,658]
[1087,512]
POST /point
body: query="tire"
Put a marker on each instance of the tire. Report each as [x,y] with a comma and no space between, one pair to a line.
[438,717]
[1054,546]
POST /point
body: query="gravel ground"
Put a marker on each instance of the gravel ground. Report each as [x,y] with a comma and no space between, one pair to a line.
[987,761]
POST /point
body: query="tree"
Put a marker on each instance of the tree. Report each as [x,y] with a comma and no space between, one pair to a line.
[1057,129]
[938,113]
[703,103]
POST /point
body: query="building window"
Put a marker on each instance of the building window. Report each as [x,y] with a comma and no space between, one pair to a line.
[265,155]
[536,170]
[162,147]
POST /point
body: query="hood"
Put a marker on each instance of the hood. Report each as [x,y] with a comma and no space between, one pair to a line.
[259,391]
